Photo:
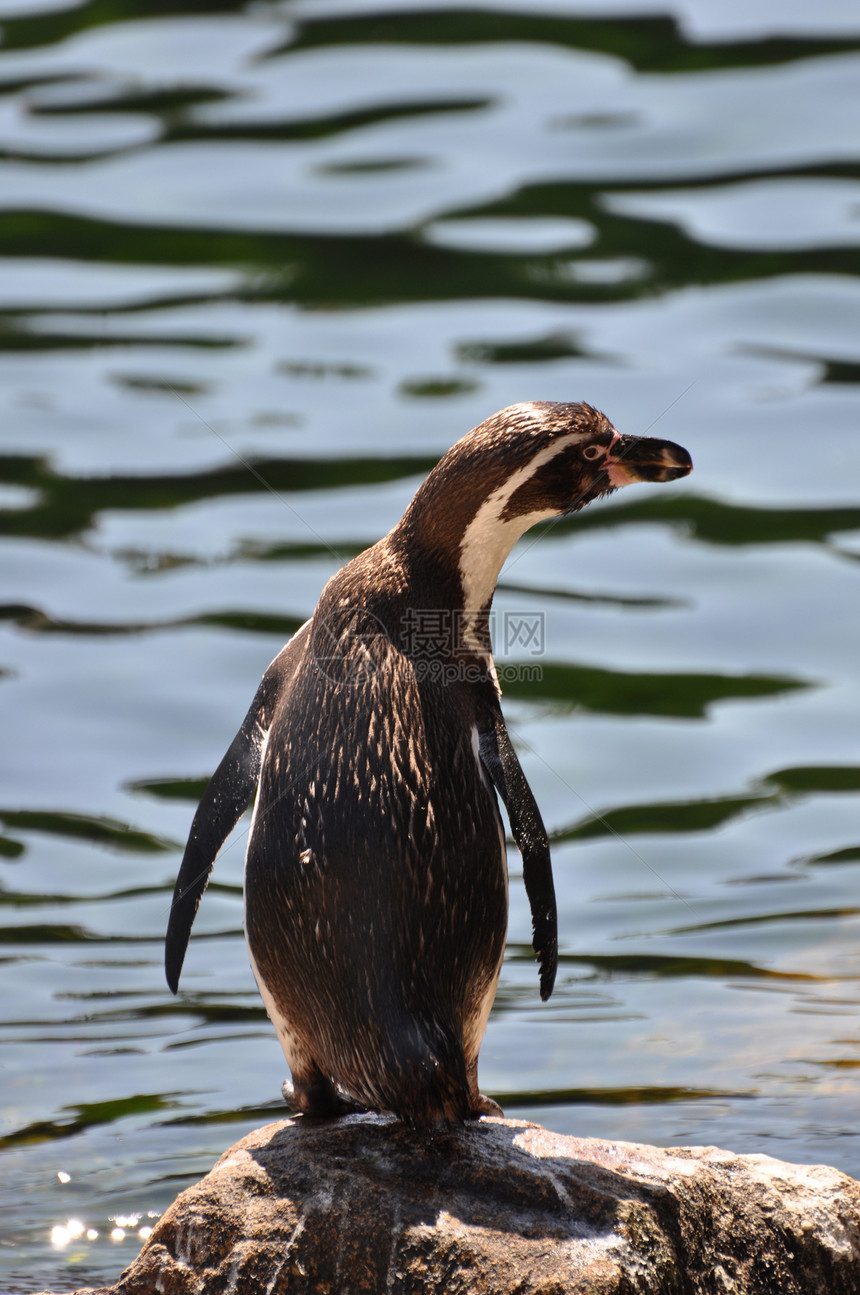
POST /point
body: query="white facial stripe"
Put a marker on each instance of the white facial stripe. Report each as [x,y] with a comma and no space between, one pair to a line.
[488,540]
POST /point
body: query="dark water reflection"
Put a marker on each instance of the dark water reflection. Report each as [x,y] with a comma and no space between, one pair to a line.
[259,267]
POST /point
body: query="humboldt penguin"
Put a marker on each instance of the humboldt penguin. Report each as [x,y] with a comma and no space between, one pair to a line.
[376,889]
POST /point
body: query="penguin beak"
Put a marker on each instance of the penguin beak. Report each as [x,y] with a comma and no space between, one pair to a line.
[642,458]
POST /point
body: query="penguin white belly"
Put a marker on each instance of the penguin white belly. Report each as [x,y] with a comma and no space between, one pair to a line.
[476,1027]
[289,1041]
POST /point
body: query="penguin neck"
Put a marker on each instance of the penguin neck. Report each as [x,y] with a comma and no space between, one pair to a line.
[484,549]
[461,552]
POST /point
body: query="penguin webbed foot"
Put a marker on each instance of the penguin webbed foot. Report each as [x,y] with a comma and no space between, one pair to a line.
[318,1099]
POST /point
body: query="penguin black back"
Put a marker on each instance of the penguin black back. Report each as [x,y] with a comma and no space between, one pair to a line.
[376,878]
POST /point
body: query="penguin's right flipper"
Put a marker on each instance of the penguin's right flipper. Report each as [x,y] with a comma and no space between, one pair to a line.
[224,802]
[500,760]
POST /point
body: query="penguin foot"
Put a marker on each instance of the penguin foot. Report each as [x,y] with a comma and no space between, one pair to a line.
[319,1099]
[485,1106]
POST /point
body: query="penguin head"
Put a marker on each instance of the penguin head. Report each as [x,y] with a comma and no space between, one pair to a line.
[537,460]
[559,457]
[525,464]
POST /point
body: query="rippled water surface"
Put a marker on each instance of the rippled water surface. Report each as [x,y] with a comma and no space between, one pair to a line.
[259,267]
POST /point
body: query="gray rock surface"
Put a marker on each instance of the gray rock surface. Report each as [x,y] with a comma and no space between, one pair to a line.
[363,1205]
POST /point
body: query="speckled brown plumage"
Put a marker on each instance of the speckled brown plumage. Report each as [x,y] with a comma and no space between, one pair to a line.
[376,879]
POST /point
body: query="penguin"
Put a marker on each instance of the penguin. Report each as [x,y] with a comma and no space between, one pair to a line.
[376,888]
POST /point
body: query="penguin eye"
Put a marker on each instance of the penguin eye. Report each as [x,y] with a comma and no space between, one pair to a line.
[591,451]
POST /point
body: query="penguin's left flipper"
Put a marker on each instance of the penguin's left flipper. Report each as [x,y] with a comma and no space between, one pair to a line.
[500,761]
[224,802]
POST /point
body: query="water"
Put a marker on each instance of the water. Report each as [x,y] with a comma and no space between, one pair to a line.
[259,267]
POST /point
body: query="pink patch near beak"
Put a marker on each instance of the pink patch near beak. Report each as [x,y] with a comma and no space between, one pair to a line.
[618,474]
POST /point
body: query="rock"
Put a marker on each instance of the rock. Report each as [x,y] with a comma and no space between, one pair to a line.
[361,1204]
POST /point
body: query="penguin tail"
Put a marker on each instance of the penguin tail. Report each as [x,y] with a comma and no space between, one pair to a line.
[431,1086]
